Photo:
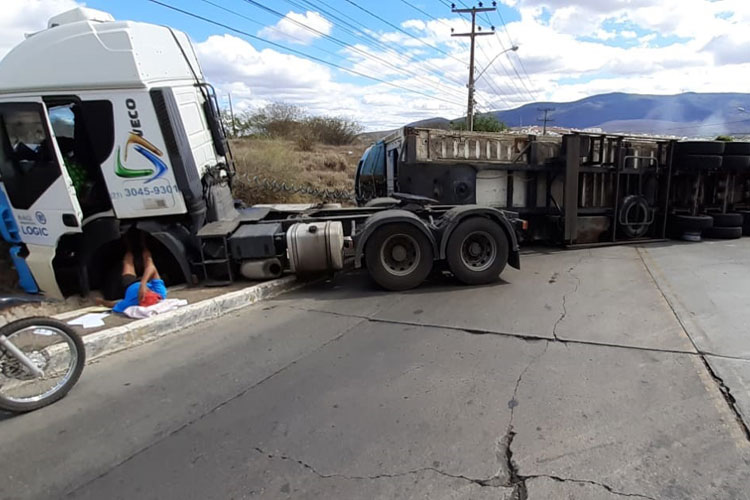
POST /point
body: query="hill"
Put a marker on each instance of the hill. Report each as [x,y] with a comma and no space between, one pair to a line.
[681,114]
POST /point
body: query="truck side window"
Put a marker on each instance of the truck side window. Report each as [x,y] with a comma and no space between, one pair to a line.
[27,161]
[84,131]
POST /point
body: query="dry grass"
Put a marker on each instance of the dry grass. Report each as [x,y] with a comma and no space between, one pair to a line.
[325,167]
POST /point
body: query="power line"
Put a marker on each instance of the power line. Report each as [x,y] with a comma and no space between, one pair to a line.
[398,28]
[510,40]
[510,61]
[355,31]
[298,52]
[512,44]
[349,47]
[516,89]
[430,16]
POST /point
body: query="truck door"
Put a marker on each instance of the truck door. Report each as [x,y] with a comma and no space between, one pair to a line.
[38,188]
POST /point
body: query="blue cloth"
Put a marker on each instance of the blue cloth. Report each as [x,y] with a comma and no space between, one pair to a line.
[131,294]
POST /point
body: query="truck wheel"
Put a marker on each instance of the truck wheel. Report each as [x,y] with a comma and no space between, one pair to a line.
[477,251]
[398,256]
[727,220]
[723,233]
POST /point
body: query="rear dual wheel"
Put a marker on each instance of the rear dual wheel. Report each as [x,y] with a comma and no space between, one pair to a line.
[477,251]
[399,256]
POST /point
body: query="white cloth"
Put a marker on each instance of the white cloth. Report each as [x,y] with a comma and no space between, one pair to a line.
[166,305]
[91,320]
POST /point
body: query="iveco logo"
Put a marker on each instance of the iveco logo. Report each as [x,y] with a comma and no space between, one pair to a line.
[40,218]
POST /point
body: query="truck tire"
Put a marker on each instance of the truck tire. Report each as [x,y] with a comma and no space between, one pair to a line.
[745,222]
[723,233]
[736,162]
[737,148]
[635,205]
[727,220]
[477,251]
[690,223]
[698,162]
[399,256]
[700,148]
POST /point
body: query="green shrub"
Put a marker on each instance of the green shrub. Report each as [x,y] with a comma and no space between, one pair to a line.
[482,123]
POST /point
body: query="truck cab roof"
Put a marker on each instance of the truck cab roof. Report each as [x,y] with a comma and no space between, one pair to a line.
[85,49]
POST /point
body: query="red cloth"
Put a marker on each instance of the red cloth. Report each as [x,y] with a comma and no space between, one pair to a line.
[150,299]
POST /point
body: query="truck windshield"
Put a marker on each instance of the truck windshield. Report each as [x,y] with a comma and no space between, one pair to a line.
[27,160]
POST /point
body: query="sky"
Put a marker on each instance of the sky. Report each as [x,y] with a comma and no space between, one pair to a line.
[385,63]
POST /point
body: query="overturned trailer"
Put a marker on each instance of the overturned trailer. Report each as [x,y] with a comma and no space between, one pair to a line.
[578,189]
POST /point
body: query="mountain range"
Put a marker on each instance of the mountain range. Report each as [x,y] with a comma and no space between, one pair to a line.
[690,114]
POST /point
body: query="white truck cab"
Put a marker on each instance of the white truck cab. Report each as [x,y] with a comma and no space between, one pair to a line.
[101,122]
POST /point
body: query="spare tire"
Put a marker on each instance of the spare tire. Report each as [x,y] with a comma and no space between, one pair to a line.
[727,220]
[736,162]
[724,233]
[737,148]
[700,148]
[698,162]
[635,216]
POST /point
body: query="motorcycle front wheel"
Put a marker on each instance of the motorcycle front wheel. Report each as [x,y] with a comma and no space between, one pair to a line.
[56,352]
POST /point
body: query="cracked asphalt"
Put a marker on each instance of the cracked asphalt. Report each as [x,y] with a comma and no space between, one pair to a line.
[590,374]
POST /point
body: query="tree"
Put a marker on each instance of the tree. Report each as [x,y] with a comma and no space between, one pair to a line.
[278,119]
[482,123]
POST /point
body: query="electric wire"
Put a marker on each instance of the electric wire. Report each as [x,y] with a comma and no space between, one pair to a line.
[299,52]
[348,46]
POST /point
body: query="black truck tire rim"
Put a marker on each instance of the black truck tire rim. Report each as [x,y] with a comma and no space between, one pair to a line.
[400,254]
[478,251]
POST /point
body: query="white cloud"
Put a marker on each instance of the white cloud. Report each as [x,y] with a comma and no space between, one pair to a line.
[573,55]
[292,28]
[28,16]
[256,78]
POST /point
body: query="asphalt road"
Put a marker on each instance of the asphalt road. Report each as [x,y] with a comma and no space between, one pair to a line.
[592,374]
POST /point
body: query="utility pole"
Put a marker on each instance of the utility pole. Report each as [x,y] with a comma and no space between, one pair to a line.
[545,119]
[472,35]
[231,113]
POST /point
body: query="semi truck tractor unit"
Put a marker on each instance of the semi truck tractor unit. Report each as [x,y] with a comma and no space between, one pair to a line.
[108,126]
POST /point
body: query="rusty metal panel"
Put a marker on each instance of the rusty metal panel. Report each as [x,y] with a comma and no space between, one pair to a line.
[452,145]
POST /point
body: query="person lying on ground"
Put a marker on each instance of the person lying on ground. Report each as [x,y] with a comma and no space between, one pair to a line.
[147,291]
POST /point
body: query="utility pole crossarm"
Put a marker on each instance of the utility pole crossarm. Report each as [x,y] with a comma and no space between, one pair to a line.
[545,119]
[473,9]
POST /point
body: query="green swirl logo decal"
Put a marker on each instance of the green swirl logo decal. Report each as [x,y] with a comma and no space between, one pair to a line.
[148,151]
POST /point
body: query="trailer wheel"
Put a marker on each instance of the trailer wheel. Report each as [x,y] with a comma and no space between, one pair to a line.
[745,222]
[727,220]
[723,233]
[701,148]
[737,148]
[477,251]
[398,256]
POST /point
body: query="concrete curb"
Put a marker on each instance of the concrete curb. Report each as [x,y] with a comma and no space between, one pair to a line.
[141,331]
